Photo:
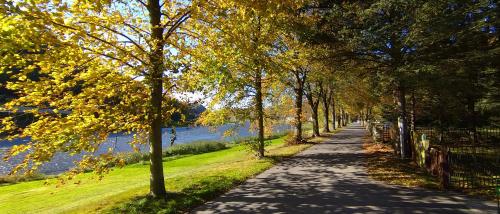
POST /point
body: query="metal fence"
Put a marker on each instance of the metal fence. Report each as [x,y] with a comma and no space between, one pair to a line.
[461,136]
[473,156]
[474,167]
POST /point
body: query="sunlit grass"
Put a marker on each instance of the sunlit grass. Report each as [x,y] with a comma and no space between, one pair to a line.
[189,180]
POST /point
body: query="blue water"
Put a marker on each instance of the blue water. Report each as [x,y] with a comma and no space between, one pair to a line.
[119,142]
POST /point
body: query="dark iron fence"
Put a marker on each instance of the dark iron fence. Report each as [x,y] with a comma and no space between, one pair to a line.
[472,156]
[462,158]
[456,136]
[474,167]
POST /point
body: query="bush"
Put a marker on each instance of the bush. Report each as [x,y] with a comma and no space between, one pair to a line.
[12,179]
[290,139]
[253,145]
[194,148]
[131,158]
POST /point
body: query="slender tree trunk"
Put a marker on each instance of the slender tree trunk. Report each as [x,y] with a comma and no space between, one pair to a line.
[334,116]
[343,116]
[346,121]
[411,134]
[369,114]
[412,112]
[260,113]
[412,126]
[324,98]
[315,120]
[299,93]
[403,123]
[472,121]
[362,118]
[259,97]
[339,119]
[314,108]
[157,181]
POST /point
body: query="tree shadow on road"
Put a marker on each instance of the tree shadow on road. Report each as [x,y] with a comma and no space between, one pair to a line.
[331,178]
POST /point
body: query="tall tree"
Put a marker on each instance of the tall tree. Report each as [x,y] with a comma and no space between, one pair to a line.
[326,97]
[241,44]
[297,78]
[312,92]
[121,56]
[295,59]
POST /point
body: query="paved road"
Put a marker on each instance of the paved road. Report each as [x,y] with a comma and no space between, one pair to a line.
[330,178]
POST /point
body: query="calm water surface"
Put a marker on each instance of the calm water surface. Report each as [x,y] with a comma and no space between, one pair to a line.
[63,161]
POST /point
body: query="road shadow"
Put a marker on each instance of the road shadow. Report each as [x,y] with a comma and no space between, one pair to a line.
[331,178]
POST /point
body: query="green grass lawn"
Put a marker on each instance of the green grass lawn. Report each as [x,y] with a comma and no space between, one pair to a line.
[190,181]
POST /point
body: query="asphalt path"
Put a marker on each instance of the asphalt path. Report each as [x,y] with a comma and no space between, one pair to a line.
[331,178]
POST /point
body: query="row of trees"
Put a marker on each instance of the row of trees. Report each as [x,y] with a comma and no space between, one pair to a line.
[436,60]
[115,67]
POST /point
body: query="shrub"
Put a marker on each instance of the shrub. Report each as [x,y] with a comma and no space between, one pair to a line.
[253,145]
[12,179]
[290,139]
[131,158]
[194,148]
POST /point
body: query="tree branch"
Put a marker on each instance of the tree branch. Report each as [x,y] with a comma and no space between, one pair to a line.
[121,34]
[99,39]
[177,23]
[116,59]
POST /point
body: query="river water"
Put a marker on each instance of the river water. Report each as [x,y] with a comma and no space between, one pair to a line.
[63,161]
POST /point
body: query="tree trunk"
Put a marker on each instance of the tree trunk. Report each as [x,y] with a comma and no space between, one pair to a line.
[369,114]
[157,180]
[260,113]
[403,123]
[339,119]
[412,126]
[334,116]
[314,108]
[315,120]
[347,119]
[324,98]
[343,116]
[412,112]
[299,93]
[361,113]
[472,121]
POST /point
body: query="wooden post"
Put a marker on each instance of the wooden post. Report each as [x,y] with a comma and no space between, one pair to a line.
[444,171]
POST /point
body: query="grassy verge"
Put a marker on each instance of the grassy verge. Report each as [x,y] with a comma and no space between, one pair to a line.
[383,165]
[190,181]
[170,153]
[173,152]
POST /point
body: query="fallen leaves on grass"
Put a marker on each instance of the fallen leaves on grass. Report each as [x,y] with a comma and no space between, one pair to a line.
[383,165]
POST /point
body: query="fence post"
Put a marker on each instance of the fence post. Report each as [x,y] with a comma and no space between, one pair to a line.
[444,166]
[497,193]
